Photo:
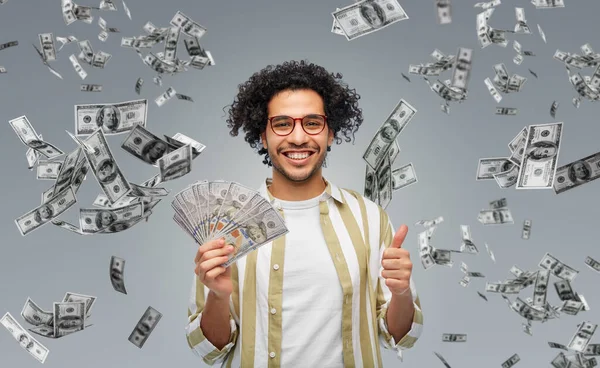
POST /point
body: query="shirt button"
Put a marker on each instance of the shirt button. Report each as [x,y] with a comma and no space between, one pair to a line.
[273,310]
[275,267]
[272,354]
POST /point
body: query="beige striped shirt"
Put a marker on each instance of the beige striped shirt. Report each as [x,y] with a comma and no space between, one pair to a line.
[347,218]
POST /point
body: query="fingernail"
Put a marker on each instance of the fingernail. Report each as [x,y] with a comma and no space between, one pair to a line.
[230,248]
[221,241]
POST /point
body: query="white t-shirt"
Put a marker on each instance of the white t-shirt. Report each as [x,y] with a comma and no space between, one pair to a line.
[312,295]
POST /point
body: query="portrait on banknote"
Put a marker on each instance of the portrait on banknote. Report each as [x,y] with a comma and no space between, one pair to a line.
[107,171]
[80,175]
[390,131]
[65,176]
[579,171]
[108,118]
[154,150]
[104,219]
[542,151]
[373,14]
[43,214]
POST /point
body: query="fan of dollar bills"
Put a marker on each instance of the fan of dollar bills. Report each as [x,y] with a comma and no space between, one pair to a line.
[210,210]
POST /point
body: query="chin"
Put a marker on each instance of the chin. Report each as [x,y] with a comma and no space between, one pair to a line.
[298,171]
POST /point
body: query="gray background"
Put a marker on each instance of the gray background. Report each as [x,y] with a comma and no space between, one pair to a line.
[245,36]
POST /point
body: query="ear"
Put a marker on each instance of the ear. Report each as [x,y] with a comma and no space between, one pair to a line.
[330,137]
[263,137]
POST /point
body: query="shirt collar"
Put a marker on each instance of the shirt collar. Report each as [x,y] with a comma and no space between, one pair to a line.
[331,191]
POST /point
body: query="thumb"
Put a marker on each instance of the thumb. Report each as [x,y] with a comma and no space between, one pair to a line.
[399,236]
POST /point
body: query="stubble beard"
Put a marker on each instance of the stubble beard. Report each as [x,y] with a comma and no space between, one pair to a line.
[300,177]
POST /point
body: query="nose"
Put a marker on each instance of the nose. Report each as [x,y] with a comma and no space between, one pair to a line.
[298,136]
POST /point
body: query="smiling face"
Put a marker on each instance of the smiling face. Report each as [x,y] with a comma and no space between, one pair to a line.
[296,104]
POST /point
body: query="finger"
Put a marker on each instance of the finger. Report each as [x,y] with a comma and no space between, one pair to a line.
[207,266]
[212,274]
[225,250]
[399,236]
[209,245]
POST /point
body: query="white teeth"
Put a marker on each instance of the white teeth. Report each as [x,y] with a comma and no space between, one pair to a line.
[297,156]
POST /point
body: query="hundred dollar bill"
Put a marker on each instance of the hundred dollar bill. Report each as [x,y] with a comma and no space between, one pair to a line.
[495,217]
[368,16]
[548,4]
[35,315]
[105,168]
[553,109]
[117,271]
[144,327]
[182,140]
[462,68]
[450,337]
[506,111]
[467,245]
[142,191]
[91,88]
[67,171]
[48,170]
[526,229]
[78,68]
[444,11]
[582,336]
[487,5]
[559,269]
[430,223]
[144,145]
[577,173]
[88,301]
[111,118]
[32,156]
[502,288]
[425,251]
[93,220]
[253,233]
[41,215]
[512,146]
[187,25]
[175,164]
[508,363]
[27,342]
[236,201]
[487,167]
[370,191]
[47,46]
[69,317]
[171,44]
[571,307]
[166,96]
[403,176]
[384,182]
[138,85]
[540,290]
[541,156]
[564,290]
[592,263]
[492,90]
[498,203]
[387,133]
[490,253]
[31,139]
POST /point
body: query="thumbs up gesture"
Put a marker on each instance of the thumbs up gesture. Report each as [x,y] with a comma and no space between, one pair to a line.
[397,266]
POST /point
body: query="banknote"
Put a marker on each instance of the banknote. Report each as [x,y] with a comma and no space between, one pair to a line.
[69,317]
[495,217]
[541,156]
[182,139]
[444,11]
[387,133]
[462,68]
[67,171]
[175,164]
[31,139]
[234,201]
[367,16]
[47,46]
[217,192]
[112,118]
[488,167]
[592,263]
[452,337]
[384,182]
[93,220]
[564,290]
[68,226]
[512,145]
[582,336]
[370,191]
[577,173]
[526,233]
[88,301]
[117,271]
[48,170]
[507,178]
[404,176]
[142,191]
[559,269]
[144,145]
[35,315]
[41,215]
[187,25]
[27,342]
[541,288]
[144,327]
[165,96]
[105,168]
[508,363]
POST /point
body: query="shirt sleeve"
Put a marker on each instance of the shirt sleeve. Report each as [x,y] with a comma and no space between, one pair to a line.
[384,296]
[199,344]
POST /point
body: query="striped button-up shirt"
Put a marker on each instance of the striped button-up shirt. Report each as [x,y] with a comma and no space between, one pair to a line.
[347,219]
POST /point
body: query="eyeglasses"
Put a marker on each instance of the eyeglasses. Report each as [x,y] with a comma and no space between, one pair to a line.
[312,124]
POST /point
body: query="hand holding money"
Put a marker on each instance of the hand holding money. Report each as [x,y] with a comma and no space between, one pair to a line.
[209,258]
[397,266]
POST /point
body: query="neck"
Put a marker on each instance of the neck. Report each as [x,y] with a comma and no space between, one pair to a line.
[284,189]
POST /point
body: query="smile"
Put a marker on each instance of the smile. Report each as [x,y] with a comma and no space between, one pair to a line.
[298,157]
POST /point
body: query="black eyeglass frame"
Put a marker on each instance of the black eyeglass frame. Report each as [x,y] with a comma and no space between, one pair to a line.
[294,126]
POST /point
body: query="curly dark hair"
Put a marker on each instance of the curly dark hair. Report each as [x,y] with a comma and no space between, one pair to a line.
[249,108]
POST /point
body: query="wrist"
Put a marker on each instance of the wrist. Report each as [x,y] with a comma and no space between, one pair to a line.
[219,297]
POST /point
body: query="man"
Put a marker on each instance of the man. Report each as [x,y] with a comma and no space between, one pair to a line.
[319,296]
